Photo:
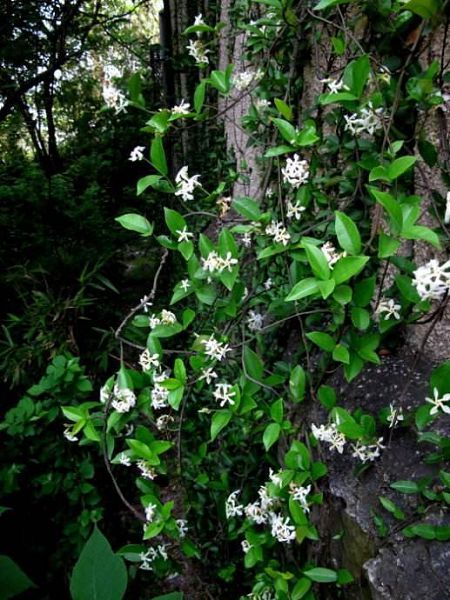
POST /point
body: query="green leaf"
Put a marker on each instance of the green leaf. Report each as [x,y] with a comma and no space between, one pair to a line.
[400,166]
[406,487]
[247,207]
[347,234]
[302,586]
[424,8]
[220,80]
[392,207]
[158,156]
[278,151]
[276,411]
[308,135]
[338,45]
[323,340]
[360,317]
[422,530]
[302,289]
[135,222]
[347,267]
[297,383]
[341,354]
[174,221]
[98,574]
[199,96]
[13,581]
[327,396]
[219,421]
[283,109]
[317,261]
[364,291]
[327,3]
[271,435]
[419,232]
[356,74]
[287,130]
[321,575]
[171,596]
[387,246]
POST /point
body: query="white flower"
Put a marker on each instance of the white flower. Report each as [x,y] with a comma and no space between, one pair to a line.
[159,396]
[69,435]
[296,171]
[137,153]
[213,262]
[395,415]
[268,284]
[367,453]
[184,234]
[124,399]
[162,549]
[182,527]
[255,321]
[275,478]
[367,120]
[247,239]
[104,394]
[228,262]
[208,374]
[124,460]
[447,210]
[153,321]
[295,210]
[334,85]
[167,317]
[199,20]
[114,98]
[163,421]
[439,403]
[145,303]
[331,254]
[223,394]
[432,280]
[150,512]
[185,285]
[181,109]
[256,513]
[185,184]
[232,508]
[241,81]
[215,349]
[146,471]
[261,104]
[266,501]
[148,361]
[281,529]
[246,546]
[389,308]
[197,50]
[331,435]
[300,494]
[279,233]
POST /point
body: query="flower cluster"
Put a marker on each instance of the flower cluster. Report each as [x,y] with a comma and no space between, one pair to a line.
[241,81]
[278,231]
[331,254]
[334,85]
[223,394]
[215,349]
[185,184]
[199,53]
[296,171]
[146,471]
[255,320]
[181,109]
[166,317]
[137,153]
[294,210]
[151,555]
[367,452]
[330,435]
[149,361]
[439,403]
[123,400]
[432,280]
[215,263]
[368,120]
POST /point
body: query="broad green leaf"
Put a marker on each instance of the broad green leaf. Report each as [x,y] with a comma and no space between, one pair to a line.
[302,289]
[297,383]
[146,182]
[278,151]
[219,421]
[135,222]
[341,354]
[288,131]
[400,166]
[308,135]
[13,581]
[199,96]
[174,221]
[321,575]
[276,411]
[158,156]
[424,8]
[99,574]
[323,340]
[356,74]
[283,109]
[387,246]
[301,588]
[271,435]
[391,206]
[220,80]
[360,317]
[422,530]
[317,261]
[247,207]
[327,396]
[347,267]
[347,234]
[419,232]
[406,487]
